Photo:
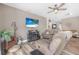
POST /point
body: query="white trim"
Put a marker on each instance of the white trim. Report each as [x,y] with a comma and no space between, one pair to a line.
[32,25]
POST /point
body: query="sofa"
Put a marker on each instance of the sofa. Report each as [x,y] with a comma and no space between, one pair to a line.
[55,45]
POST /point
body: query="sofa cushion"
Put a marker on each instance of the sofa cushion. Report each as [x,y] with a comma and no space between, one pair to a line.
[54,45]
[43,42]
[61,35]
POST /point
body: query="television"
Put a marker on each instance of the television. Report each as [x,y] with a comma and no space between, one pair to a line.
[31,22]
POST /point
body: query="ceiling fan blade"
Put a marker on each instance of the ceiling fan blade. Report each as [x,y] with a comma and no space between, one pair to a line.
[50,7]
[63,9]
[50,11]
[61,5]
[55,5]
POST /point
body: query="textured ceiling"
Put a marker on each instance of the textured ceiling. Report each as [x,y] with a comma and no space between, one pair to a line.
[42,9]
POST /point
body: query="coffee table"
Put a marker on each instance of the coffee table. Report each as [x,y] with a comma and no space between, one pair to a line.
[36,52]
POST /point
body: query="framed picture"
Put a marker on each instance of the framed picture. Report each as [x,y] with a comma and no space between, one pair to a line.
[54,26]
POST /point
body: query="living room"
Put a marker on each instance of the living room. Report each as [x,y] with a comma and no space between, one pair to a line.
[39,29]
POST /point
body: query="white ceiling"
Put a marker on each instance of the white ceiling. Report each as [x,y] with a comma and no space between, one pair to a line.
[42,9]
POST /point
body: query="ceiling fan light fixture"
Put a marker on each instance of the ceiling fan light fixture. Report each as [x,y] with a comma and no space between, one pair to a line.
[57,8]
[56,11]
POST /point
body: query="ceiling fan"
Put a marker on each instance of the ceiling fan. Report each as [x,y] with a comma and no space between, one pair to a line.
[57,8]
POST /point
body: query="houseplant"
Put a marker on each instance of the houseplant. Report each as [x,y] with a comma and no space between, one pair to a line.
[6,35]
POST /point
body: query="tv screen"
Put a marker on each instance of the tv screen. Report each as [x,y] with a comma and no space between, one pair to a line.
[31,22]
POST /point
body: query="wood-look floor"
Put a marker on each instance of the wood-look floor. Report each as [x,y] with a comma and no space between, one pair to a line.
[73,46]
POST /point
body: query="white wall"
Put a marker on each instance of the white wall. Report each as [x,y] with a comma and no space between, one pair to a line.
[71,23]
[1,20]
[10,14]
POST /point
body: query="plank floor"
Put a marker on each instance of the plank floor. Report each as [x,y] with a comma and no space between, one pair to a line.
[73,46]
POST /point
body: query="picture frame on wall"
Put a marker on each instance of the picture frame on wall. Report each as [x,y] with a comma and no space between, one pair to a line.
[54,26]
